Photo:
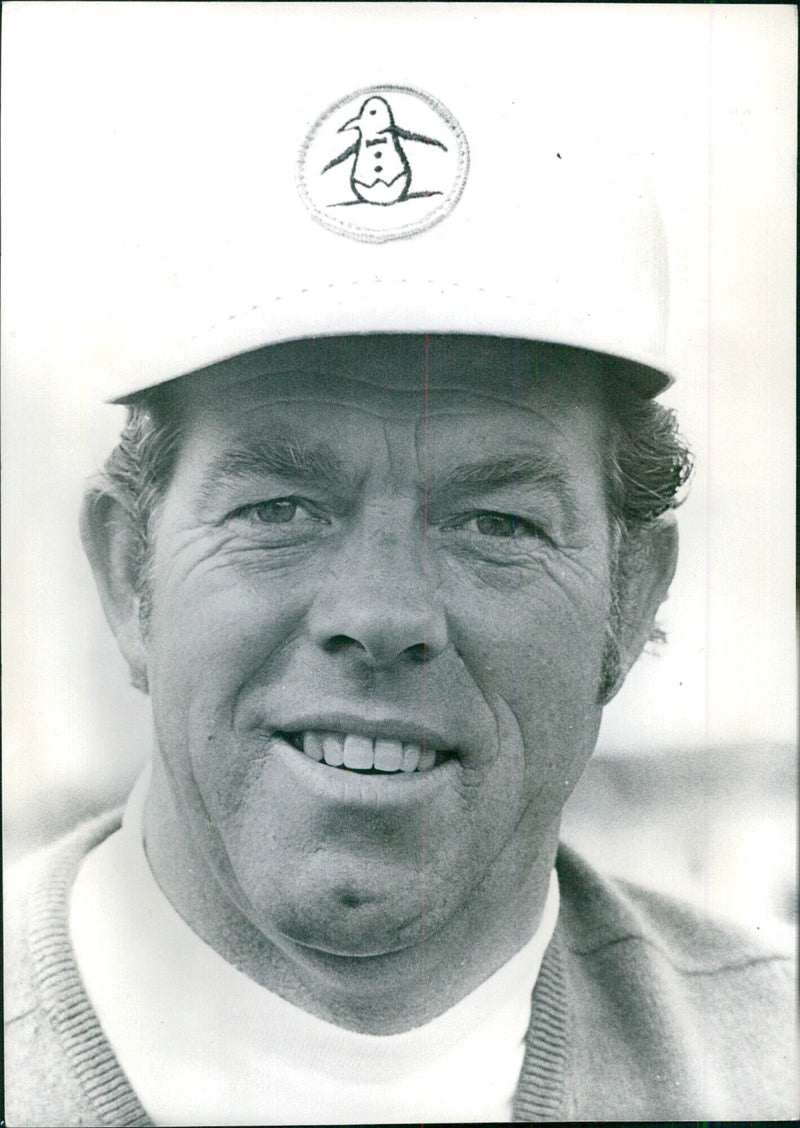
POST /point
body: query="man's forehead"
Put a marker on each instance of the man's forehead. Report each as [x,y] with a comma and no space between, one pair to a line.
[388,371]
[482,409]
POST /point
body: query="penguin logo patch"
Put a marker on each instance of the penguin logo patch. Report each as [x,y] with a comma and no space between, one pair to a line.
[383,163]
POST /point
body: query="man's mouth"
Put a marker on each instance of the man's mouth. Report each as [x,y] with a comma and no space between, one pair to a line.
[358,753]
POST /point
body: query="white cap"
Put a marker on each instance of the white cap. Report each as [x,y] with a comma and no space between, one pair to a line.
[357,185]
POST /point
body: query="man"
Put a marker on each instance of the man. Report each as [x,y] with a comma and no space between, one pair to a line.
[380,540]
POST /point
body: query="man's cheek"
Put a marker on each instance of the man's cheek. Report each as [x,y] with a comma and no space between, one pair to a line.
[545,647]
[209,637]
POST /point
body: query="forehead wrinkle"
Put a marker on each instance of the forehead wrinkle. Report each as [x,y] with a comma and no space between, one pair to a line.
[466,390]
[394,467]
[381,412]
[325,378]
[308,382]
[392,359]
[469,386]
[343,388]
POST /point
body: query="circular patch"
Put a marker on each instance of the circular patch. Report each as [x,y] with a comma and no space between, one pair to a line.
[383,163]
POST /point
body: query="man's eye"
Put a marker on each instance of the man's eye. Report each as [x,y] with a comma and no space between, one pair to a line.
[507,525]
[498,524]
[278,511]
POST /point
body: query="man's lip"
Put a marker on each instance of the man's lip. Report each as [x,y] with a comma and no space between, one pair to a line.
[384,728]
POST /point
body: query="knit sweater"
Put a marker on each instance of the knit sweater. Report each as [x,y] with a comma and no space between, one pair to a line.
[642,1010]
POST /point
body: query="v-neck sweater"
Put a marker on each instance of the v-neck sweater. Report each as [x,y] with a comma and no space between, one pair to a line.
[642,1010]
[197,1037]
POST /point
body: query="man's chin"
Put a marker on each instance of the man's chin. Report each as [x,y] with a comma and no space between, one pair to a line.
[348,923]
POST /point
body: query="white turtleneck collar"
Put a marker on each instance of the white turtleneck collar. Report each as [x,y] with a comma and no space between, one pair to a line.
[203,1044]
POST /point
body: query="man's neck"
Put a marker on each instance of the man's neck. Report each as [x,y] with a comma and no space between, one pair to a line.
[381,994]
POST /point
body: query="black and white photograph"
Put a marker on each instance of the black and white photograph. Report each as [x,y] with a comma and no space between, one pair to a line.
[399,644]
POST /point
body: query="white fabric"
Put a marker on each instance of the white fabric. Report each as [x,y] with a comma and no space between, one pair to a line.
[202,1044]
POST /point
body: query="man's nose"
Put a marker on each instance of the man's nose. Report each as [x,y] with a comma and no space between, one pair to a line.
[379,603]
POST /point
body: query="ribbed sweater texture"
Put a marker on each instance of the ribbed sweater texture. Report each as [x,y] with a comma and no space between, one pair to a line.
[642,1010]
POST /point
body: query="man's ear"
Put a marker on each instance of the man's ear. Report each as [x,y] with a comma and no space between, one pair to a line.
[112,543]
[645,569]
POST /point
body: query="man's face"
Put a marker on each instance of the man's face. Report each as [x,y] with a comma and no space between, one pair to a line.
[379,549]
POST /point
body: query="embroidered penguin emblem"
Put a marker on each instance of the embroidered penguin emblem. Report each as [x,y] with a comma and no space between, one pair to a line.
[383,162]
[381,172]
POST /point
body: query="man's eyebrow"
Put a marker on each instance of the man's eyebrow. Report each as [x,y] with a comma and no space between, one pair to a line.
[279,457]
[498,473]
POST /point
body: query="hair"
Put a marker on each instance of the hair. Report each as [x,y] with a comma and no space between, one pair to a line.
[647,464]
[137,474]
[647,467]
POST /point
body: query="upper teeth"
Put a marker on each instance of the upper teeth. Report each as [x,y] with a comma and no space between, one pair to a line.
[347,750]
